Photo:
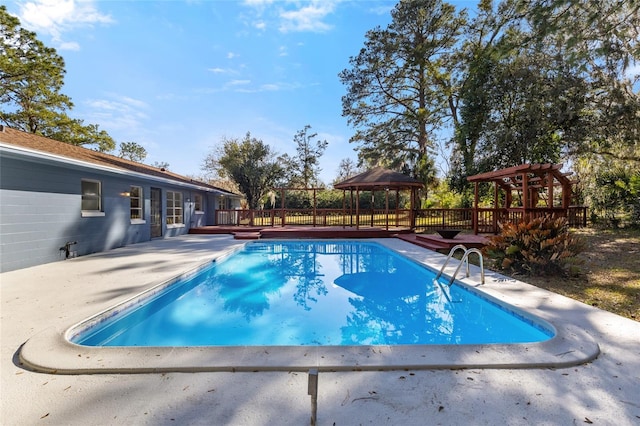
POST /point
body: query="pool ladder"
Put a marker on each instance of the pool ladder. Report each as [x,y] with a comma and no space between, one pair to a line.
[465,258]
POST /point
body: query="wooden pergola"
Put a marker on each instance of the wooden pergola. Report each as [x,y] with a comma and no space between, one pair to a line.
[380,179]
[534,183]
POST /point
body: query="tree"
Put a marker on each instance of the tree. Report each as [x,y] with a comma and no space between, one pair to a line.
[601,41]
[346,169]
[484,44]
[393,86]
[306,162]
[31,77]
[542,81]
[163,165]
[132,151]
[250,163]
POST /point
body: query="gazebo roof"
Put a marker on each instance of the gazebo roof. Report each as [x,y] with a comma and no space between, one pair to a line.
[512,176]
[379,177]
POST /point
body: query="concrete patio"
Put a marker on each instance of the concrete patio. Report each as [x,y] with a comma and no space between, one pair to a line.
[605,391]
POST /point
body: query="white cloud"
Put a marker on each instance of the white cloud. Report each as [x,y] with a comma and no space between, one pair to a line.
[117,112]
[291,15]
[272,87]
[239,82]
[382,10]
[257,3]
[56,17]
[68,45]
[307,18]
[217,70]
[232,55]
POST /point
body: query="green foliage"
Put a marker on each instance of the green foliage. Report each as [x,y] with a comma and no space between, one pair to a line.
[616,196]
[542,246]
[132,151]
[537,79]
[330,199]
[334,199]
[305,166]
[443,197]
[250,163]
[395,99]
[598,42]
[31,77]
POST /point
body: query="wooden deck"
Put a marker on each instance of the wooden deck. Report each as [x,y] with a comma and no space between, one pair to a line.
[436,242]
[429,241]
[248,233]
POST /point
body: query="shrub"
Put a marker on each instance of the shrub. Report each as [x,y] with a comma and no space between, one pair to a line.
[542,246]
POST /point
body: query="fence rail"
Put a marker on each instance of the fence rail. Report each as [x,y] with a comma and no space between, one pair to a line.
[482,220]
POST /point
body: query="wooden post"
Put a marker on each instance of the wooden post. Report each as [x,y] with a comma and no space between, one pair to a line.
[495,207]
[282,214]
[412,214]
[550,189]
[526,201]
[344,206]
[314,207]
[351,207]
[373,199]
[357,208]
[397,207]
[475,208]
[386,208]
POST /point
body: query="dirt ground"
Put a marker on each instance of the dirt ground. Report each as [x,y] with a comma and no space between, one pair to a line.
[610,277]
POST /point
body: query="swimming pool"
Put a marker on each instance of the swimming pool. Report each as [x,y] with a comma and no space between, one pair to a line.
[49,350]
[280,293]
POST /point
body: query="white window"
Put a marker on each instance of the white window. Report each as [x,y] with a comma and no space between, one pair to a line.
[91,197]
[197,201]
[174,208]
[136,200]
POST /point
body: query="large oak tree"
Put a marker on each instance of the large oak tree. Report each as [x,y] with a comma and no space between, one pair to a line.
[250,163]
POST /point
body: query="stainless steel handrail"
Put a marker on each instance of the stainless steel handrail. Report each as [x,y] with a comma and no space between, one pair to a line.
[451,253]
[465,256]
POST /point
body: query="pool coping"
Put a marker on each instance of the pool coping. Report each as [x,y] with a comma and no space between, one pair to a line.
[49,351]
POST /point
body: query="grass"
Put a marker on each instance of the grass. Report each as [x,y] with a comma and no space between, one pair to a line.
[610,277]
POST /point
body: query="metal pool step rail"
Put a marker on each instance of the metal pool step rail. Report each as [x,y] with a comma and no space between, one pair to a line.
[465,258]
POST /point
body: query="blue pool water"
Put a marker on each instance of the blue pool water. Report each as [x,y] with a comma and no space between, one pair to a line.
[312,293]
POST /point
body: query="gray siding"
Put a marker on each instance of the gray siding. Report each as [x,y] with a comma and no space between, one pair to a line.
[40,210]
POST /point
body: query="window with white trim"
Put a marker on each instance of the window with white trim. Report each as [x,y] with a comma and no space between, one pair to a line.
[197,202]
[91,204]
[136,200]
[174,208]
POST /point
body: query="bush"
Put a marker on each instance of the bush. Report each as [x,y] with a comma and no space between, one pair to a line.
[542,246]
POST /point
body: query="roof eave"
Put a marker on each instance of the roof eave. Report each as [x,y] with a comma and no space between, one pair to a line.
[57,159]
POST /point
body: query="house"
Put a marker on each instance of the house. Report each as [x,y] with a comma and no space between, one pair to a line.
[59,200]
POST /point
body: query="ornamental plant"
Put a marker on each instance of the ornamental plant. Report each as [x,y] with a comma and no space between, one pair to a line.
[541,246]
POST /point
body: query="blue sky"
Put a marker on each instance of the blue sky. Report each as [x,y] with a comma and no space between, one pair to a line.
[178,76]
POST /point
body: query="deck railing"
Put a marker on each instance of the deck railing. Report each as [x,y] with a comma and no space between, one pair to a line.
[482,220]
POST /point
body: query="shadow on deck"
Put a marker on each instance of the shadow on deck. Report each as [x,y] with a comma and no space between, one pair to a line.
[436,242]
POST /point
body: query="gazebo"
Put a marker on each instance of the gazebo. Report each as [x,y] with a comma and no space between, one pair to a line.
[380,179]
[536,186]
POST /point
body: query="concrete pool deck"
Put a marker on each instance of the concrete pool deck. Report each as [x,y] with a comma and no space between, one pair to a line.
[37,300]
